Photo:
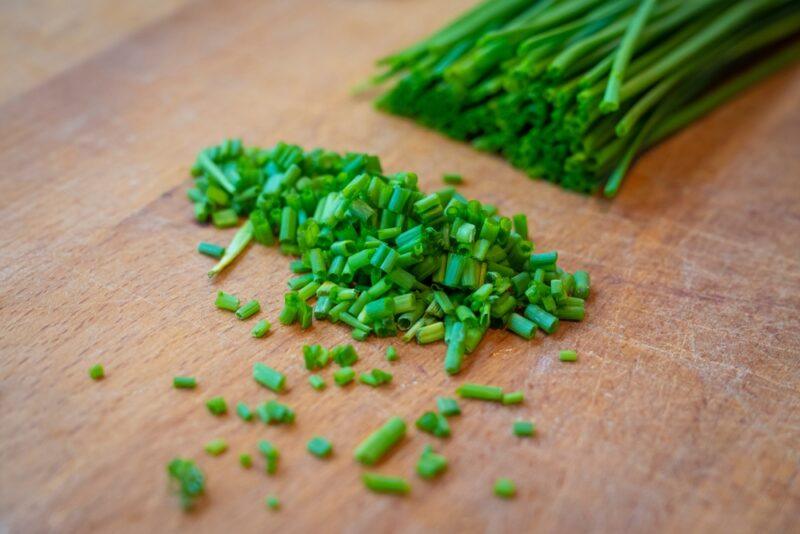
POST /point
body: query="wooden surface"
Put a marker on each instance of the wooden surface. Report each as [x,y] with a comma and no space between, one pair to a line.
[683,413]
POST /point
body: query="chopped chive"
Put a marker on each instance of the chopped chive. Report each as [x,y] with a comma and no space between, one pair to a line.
[317,382]
[375,378]
[269,377]
[480,392]
[447,406]
[524,428]
[244,412]
[521,326]
[434,423]
[505,488]
[273,413]
[344,355]
[568,356]
[210,249]
[430,333]
[217,406]
[452,179]
[319,447]
[225,218]
[582,284]
[261,328]
[386,484]
[515,397]
[272,502]
[97,372]
[227,301]
[270,454]
[246,461]
[430,465]
[187,480]
[248,310]
[377,444]
[391,354]
[215,447]
[344,376]
[184,382]
[239,242]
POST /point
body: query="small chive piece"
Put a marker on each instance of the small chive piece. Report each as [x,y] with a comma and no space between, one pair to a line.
[447,406]
[246,461]
[568,356]
[273,503]
[274,413]
[215,447]
[244,412]
[217,405]
[391,354]
[452,179]
[375,378]
[248,310]
[226,301]
[430,464]
[319,447]
[515,397]
[435,424]
[377,444]
[187,481]
[210,249]
[524,428]
[343,376]
[505,488]
[97,372]
[317,382]
[184,382]
[269,377]
[480,392]
[261,328]
[386,484]
[344,355]
[271,455]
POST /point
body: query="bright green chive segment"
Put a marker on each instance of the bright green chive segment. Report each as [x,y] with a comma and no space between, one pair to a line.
[373,253]
[226,301]
[215,447]
[244,412]
[217,406]
[319,447]
[391,354]
[317,382]
[430,465]
[447,406]
[573,91]
[272,502]
[210,249]
[248,310]
[568,356]
[269,377]
[375,378]
[505,488]
[270,454]
[261,328]
[453,179]
[435,424]
[480,392]
[246,461]
[386,484]
[344,376]
[524,428]
[377,444]
[184,382]
[515,397]
[273,412]
[187,481]
[97,372]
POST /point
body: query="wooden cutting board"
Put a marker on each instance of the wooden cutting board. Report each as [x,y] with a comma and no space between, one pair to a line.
[683,412]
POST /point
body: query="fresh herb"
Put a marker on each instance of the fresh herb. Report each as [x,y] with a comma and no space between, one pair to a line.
[244,412]
[184,382]
[435,424]
[226,301]
[215,447]
[480,392]
[97,372]
[270,454]
[375,378]
[246,461]
[272,502]
[273,412]
[515,397]
[524,428]
[187,481]
[344,376]
[317,382]
[217,406]
[269,377]
[447,406]
[453,179]
[248,310]
[319,447]
[386,484]
[505,488]
[568,356]
[430,465]
[261,328]
[391,354]
[376,445]
[210,249]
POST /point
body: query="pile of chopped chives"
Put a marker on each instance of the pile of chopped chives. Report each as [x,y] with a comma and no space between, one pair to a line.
[380,256]
[574,90]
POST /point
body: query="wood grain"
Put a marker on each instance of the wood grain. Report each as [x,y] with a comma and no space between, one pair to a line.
[683,413]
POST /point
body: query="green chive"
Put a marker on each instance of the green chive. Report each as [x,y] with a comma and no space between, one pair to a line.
[272,502]
[386,484]
[376,445]
[344,355]
[453,179]
[225,218]
[97,372]
[505,488]
[273,413]
[210,249]
[480,392]
[317,382]
[568,356]
[244,412]
[236,246]
[269,377]
[430,465]
[375,378]
[434,423]
[582,284]
[184,382]
[344,376]
[524,428]
[215,447]
[447,406]
[270,454]
[187,480]
[515,397]
[226,301]
[217,406]
[391,354]
[261,328]
[246,461]
[248,310]
[319,447]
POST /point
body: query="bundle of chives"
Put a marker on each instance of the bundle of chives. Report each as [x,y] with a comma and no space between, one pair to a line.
[381,256]
[574,90]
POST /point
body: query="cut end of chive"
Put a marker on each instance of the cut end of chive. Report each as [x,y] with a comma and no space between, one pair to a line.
[505,488]
[273,503]
[568,356]
[217,406]
[215,447]
[319,447]
[97,372]
[524,428]
[184,382]
[386,484]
